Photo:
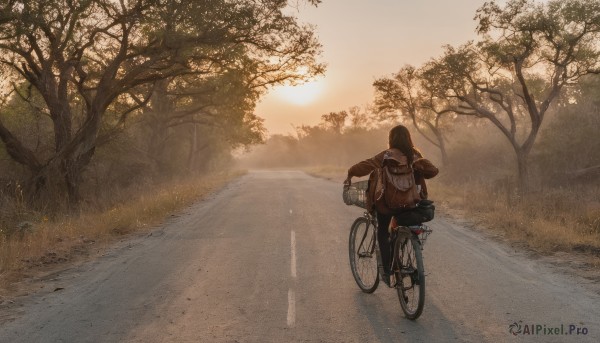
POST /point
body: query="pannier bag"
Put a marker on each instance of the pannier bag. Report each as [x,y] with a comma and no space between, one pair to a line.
[426,210]
[423,212]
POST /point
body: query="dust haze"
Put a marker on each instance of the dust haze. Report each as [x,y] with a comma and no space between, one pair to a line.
[141,116]
[566,156]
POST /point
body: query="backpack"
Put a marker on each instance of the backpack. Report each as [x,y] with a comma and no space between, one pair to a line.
[396,182]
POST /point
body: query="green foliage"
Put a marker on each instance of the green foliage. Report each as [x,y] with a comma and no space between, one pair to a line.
[178,79]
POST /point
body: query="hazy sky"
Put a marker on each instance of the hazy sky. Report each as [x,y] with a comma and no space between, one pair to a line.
[364,40]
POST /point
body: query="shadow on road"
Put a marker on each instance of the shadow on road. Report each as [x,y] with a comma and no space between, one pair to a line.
[387,320]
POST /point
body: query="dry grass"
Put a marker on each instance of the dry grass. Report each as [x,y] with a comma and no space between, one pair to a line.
[48,242]
[546,221]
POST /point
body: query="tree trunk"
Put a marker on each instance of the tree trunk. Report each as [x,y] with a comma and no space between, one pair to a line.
[523,167]
[444,154]
[56,186]
[72,179]
[45,188]
[438,142]
[192,158]
[441,146]
[157,145]
[160,109]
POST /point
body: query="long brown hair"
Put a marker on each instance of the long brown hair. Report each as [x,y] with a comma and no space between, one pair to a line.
[400,139]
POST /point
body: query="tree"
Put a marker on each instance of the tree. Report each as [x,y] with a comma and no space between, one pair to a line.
[181,108]
[334,121]
[528,54]
[360,119]
[404,93]
[84,57]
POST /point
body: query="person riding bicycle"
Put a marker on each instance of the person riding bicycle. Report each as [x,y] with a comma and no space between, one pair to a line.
[400,144]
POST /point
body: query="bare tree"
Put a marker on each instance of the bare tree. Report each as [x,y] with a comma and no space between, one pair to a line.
[404,93]
[528,53]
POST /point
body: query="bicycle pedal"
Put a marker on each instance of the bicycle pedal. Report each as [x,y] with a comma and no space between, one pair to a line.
[407,271]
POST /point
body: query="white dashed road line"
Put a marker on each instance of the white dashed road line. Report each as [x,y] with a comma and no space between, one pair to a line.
[293,255]
[291,315]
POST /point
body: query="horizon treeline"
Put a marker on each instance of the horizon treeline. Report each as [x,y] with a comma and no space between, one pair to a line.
[567,152]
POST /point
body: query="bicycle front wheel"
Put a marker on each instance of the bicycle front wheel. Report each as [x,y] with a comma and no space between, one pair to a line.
[363,258]
[410,275]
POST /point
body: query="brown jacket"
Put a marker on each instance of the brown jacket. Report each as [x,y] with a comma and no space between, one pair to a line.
[423,168]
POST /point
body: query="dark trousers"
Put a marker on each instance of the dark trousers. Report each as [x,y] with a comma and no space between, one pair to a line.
[383,239]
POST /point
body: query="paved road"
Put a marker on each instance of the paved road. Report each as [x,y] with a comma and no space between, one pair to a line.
[265,260]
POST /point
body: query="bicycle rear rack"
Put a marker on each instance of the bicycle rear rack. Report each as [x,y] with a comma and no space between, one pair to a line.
[425,231]
[421,231]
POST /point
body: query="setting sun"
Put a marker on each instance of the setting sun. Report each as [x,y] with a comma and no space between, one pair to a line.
[302,94]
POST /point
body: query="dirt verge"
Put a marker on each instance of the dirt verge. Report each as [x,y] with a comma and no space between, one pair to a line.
[66,242]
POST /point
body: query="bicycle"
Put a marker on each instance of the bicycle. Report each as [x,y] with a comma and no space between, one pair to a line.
[408,274]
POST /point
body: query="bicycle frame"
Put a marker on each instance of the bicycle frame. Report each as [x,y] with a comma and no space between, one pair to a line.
[374,245]
[420,231]
[406,266]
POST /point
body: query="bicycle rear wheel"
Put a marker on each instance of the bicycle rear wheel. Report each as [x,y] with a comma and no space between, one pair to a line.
[363,258]
[410,275]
